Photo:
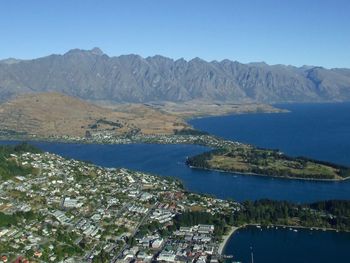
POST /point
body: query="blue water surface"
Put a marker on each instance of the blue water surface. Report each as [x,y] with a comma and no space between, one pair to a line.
[169,160]
[315,130]
[287,246]
[320,131]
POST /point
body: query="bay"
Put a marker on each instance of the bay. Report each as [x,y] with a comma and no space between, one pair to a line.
[169,160]
[287,246]
[314,130]
[320,131]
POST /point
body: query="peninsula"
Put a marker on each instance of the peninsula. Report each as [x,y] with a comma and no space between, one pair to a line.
[58,117]
[242,158]
[95,214]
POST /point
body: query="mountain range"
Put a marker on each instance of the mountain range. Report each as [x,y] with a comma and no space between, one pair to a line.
[94,76]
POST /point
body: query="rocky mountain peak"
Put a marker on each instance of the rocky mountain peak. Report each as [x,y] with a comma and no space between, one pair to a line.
[132,78]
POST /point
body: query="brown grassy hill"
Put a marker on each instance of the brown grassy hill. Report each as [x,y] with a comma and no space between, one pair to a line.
[47,114]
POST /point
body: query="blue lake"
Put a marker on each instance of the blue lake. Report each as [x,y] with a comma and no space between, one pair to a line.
[284,245]
[169,160]
[315,130]
[321,131]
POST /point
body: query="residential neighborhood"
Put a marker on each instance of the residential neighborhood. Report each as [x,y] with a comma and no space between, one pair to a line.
[107,137]
[71,211]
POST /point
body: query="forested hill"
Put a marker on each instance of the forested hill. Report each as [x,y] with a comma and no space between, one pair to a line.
[333,214]
[93,75]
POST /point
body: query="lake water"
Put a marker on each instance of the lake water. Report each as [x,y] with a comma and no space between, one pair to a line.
[315,130]
[320,131]
[284,245]
[169,160]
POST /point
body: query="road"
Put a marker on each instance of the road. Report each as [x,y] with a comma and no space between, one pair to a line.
[125,246]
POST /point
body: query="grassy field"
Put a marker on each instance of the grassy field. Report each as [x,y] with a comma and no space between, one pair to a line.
[267,162]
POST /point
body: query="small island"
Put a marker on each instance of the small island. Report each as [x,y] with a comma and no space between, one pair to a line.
[241,158]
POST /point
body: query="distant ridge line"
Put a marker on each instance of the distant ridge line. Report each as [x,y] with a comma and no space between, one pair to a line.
[93,75]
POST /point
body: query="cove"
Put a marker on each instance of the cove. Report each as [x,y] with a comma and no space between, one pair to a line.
[287,246]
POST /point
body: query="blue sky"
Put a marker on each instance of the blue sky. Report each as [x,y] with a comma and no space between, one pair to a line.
[296,32]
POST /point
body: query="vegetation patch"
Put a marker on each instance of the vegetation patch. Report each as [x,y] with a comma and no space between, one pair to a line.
[9,167]
[247,159]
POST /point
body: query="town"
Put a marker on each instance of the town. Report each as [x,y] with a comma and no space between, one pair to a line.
[71,211]
[106,137]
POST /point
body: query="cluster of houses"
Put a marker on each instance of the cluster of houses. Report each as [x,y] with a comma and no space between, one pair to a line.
[187,244]
[100,208]
[108,137]
[162,215]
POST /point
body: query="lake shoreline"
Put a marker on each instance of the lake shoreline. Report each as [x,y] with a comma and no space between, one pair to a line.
[341,179]
[209,115]
[226,238]
[271,176]
[233,230]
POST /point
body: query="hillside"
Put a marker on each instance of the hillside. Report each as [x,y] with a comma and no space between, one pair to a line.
[195,108]
[93,75]
[54,114]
